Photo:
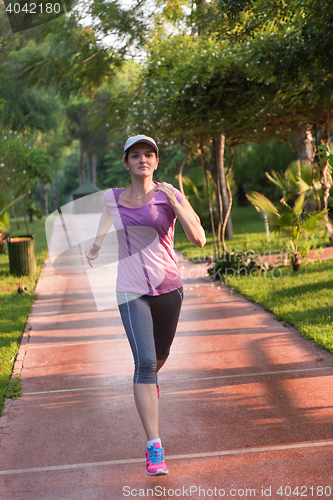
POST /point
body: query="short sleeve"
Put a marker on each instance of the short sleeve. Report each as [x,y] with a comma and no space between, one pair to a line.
[179,196]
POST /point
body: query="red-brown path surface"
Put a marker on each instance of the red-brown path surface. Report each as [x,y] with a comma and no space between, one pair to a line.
[313,255]
[245,408]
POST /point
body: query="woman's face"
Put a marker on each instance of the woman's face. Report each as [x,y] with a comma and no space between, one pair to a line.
[142,160]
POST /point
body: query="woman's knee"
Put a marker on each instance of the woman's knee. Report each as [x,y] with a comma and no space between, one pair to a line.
[145,371]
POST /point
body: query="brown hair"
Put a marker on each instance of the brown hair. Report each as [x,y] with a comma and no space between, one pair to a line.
[125,157]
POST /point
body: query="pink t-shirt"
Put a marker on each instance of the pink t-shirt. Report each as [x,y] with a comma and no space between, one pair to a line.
[147,262]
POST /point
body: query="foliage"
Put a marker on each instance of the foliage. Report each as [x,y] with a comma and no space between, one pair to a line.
[19,161]
[241,20]
[194,183]
[237,262]
[289,50]
[37,118]
[15,308]
[249,234]
[199,94]
[296,180]
[253,160]
[195,189]
[249,70]
[21,166]
[204,91]
[74,57]
[115,174]
[4,42]
[292,222]
[33,207]
[297,59]
[4,217]
[324,155]
[81,124]
[4,222]
[113,100]
[96,128]
[25,107]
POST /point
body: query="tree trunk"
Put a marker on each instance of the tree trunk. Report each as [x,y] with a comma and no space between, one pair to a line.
[200,9]
[25,214]
[219,146]
[226,218]
[44,198]
[213,170]
[94,169]
[326,181]
[88,168]
[304,145]
[306,152]
[295,261]
[16,219]
[218,197]
[54,191]
[203,162]
[313,176]
[180,175]
[81,169]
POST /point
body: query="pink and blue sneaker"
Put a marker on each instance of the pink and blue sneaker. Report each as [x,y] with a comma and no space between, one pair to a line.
[156,465]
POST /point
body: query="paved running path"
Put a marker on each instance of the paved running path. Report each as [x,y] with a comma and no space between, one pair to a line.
[245,408]
[313,255]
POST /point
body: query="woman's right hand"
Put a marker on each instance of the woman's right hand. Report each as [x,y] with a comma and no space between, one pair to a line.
[92,253]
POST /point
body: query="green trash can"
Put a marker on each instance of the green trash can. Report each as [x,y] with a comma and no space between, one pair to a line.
[22,256]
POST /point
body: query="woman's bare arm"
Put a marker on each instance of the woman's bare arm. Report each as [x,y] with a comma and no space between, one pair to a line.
[104,225]
[186,215]
[190,223]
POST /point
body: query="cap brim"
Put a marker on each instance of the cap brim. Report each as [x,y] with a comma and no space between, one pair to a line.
[155,148]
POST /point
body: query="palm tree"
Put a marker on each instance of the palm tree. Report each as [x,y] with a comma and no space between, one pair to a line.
[292,222]
[296,180]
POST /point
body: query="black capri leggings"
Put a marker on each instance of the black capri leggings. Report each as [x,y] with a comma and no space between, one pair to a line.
[150,323]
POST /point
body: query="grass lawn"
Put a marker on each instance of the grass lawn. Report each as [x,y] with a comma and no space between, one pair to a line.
[303,299]
[15,307]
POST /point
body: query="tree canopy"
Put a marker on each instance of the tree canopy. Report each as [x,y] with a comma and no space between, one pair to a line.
[247,70]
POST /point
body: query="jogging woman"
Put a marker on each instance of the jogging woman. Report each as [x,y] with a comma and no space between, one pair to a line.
[149,287]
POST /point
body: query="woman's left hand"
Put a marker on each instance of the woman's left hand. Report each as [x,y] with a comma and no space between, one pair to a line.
[168,190]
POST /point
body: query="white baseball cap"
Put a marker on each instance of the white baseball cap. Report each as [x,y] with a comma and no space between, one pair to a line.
[140,138]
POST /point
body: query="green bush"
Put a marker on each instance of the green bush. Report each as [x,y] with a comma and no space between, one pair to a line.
[235,263]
